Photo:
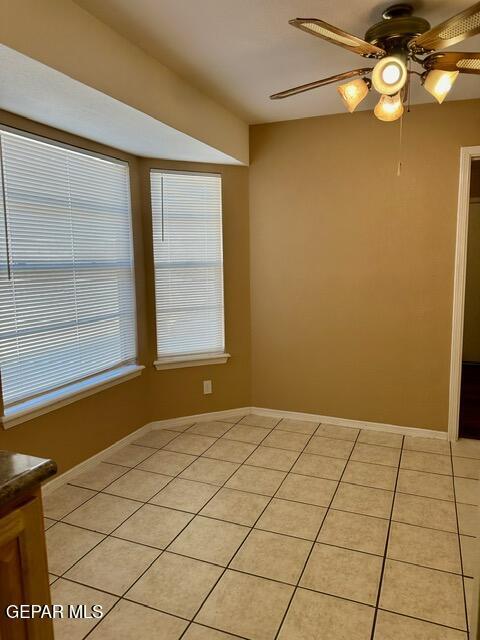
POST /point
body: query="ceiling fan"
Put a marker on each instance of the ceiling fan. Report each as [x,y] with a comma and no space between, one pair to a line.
[400,39]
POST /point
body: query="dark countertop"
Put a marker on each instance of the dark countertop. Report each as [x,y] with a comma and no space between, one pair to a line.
[19,472]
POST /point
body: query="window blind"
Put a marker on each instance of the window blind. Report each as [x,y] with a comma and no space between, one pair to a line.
[67,301]
[188,254]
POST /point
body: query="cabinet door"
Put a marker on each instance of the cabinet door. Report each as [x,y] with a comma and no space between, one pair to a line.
[11,590]
[23,571]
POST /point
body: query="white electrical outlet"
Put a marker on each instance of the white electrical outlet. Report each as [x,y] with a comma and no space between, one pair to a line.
[207,387]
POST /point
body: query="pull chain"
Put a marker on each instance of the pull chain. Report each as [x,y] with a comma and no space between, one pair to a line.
[400,140]
[409,87]
[406,97]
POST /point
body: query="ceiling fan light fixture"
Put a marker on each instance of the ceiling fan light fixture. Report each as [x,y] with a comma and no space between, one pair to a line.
[389,75]
[352,93]
[398,40]
[389,108]
[439,83]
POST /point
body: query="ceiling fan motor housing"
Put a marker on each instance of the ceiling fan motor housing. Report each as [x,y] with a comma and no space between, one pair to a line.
[397,28]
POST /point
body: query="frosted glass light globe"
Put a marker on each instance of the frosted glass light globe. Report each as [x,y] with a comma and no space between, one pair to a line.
[389,75]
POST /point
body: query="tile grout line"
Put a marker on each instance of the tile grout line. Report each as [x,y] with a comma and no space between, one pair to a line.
[295,473]
[411,524]
[243,541]
[467,622]
[387,540]
[123,521]
[253,575]
[354,443]
[286,535]
[97,491]
[366,462]
[189,480]
[429,622]
[148,502]
[321,435]
[56,521]
[258,517]
[323,455]
[372,464]
[174,615]
[269,430]
[179,433]
[162,551]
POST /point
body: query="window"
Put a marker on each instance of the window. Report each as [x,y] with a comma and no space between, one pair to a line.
[67,298]
[188,255]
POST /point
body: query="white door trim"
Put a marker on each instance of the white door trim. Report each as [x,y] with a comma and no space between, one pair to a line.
[466,155]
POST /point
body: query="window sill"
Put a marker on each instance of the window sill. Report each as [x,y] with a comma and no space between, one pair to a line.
[200,360]
[55,399]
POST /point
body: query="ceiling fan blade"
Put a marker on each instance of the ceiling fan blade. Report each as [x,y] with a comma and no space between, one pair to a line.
[319,83]
[335,35]
[453,61]
[457,28]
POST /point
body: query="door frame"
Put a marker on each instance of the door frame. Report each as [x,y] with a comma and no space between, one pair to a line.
[466,156]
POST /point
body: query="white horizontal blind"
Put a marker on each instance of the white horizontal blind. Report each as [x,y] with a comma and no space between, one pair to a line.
[67,299]
[187,243]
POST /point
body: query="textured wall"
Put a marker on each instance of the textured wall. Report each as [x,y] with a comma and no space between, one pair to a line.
[352,266]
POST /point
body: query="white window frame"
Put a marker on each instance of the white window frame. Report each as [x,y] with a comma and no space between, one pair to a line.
[197,359]
[52,400]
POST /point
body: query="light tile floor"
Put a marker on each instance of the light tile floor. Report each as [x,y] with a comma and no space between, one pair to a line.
[265,529]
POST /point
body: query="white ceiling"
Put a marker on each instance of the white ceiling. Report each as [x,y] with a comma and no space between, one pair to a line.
[241,51]
[33,90]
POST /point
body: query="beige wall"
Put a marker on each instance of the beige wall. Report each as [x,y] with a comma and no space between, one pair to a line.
[77,431]
[65,37]
[352,266]
[351,281]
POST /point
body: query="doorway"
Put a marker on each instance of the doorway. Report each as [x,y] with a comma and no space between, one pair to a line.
[464,406]
[469,418]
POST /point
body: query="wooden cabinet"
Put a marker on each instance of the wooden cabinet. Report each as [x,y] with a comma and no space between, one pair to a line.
[23,570]
[11,591]
[23,566]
